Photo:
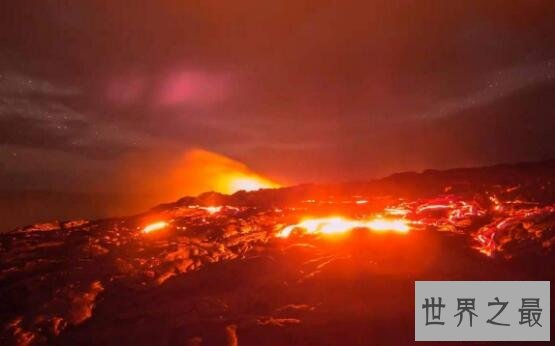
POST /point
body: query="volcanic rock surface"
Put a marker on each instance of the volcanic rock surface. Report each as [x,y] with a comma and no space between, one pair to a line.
[217,273]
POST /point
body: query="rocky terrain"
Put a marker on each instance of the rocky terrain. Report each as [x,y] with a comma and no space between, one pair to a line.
[219,270]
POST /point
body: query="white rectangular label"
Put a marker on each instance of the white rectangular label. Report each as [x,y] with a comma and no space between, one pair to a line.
[482,311]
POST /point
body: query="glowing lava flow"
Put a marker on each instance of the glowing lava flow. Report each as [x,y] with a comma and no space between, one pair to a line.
[339,225]
[155,227]
[212,209]
[247,183]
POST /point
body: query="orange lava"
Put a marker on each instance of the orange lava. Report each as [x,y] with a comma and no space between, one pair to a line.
[212,209]
[156,226]
[202,171]
[238,182]
[339,225]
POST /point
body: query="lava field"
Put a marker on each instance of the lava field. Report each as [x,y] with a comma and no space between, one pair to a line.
[310,265]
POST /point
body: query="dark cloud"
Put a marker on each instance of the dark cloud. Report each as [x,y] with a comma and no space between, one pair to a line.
[307,90]
[516,127]
[63,136]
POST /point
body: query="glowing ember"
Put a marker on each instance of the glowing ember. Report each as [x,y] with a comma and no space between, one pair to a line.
[153,227]
[212,210]
[397,211]
[339,225]
[383,225]
[486,243]
[249,183]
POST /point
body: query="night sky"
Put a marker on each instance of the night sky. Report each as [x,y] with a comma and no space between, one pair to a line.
[100,96]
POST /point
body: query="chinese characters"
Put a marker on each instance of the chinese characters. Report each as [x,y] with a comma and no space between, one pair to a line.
[530,311]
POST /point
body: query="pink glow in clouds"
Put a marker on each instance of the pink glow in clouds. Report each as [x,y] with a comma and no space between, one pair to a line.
[192,88]
[182,88]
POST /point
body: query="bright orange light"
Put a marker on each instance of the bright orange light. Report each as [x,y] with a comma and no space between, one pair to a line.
[339,225]
[212,210]
[383,225]
[397,211]
[202,171]
[155,226]
[249,183]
